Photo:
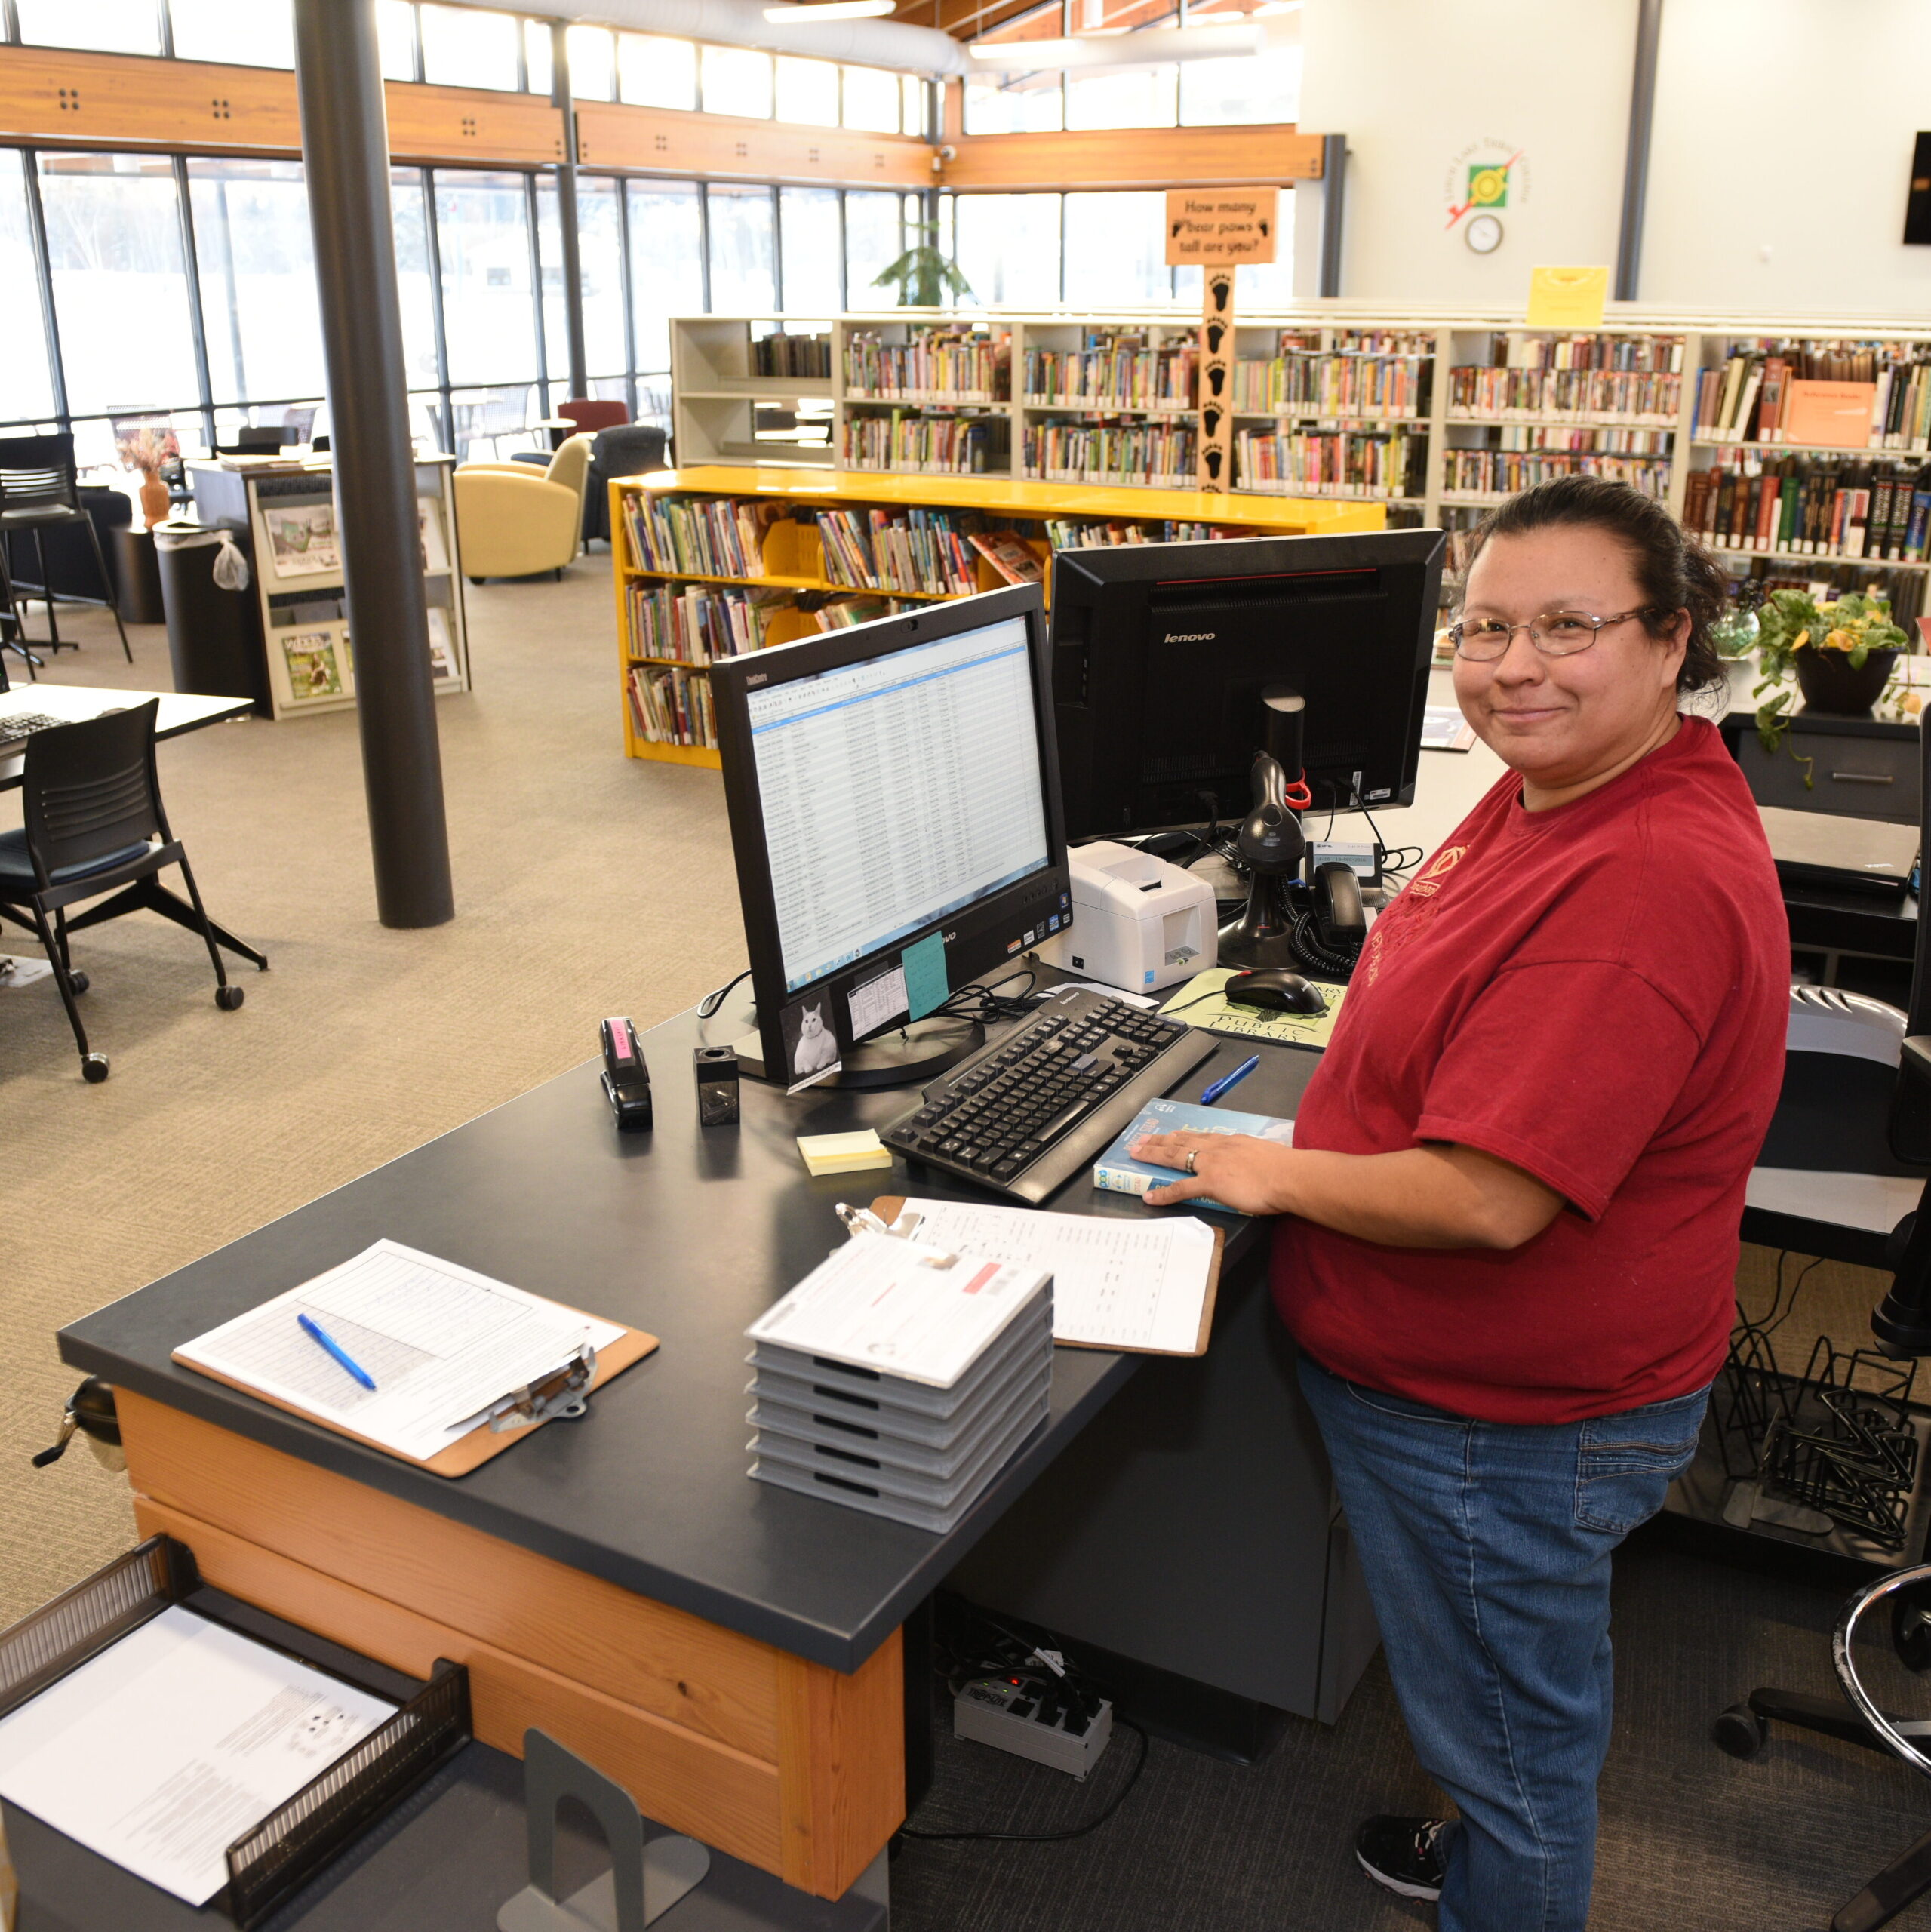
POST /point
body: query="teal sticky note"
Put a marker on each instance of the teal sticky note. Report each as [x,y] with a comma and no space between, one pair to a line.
[926,986]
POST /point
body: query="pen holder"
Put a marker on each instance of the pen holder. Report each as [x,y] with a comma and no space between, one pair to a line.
[716,1071]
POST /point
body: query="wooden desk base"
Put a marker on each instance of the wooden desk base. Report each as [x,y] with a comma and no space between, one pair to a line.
[793,1767]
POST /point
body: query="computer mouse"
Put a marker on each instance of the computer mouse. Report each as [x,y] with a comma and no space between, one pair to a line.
[1275,989]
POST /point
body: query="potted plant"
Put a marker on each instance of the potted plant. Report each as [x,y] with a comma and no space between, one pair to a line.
[1841,654]
[923,276]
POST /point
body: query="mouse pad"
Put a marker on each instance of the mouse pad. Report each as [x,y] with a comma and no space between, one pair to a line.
[1199,1004]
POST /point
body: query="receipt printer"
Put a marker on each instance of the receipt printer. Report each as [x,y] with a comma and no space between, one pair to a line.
[1139,923]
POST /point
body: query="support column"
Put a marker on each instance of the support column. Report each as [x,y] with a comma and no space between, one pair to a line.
[345,153]
[565,102]
[1333,207]
[1636,161]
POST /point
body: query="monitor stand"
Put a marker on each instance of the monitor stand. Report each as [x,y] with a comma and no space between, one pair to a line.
[907,1057]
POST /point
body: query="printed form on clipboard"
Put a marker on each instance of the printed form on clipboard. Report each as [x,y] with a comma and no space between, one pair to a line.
[447,1348]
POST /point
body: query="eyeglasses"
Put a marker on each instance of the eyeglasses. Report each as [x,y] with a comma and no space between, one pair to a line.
[1555,633]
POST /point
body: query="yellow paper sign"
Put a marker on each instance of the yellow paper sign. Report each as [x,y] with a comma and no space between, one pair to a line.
[1222,224]
[1567,298]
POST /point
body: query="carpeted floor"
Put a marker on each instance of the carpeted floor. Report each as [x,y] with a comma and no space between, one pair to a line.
[587,885]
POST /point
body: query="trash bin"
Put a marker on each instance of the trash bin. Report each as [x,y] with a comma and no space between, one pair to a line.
[214,635]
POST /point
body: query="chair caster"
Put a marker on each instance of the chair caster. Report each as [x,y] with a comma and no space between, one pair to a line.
[228,997]
[475,579]
[1740,1731]
[78,983]
[94,1068]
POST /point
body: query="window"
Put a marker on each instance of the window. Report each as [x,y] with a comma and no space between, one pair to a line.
[25,391]
[666,264]
[1254,87]
[814,251]
[249,33]
[600,258]
[1116,249]
[409,213]
[592,52]
[1028,104]
[808,91]
[914,90]
[1130,97]
[483,234]
[257,278]
[107,26]
[120,284]
[465,46]
[395,27]
[1008,248]
[743,249]
[875,236]
[873,99]
[656,72]
[736,80]
[539,69]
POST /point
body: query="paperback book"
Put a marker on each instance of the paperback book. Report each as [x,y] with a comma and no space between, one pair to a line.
[1119,1172]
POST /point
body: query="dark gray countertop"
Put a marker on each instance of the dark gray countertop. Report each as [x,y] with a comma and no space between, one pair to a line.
[690,1234]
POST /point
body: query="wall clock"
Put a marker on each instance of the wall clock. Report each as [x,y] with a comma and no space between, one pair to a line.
[1484,234]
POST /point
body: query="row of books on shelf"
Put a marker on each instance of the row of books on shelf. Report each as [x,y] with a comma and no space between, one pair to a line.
[1113,372]
[1296,381]
[695,623]
[1840,509]
[967,365]
[1505,472]
[791,356]
[1158,454]
[671,706]
[1567,436]
[1066,533]
[1590,350]
[928,445]
[709,536]
[1638,395]
[1352,462]
[1766,394]
[917,550]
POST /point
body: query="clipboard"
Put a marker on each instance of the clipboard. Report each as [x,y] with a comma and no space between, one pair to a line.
[889,1206]
[471,1451]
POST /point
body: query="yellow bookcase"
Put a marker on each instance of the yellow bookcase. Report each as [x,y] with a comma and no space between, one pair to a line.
[792,559]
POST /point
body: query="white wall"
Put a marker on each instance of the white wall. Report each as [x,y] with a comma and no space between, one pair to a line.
[1790,140]
[1415,84]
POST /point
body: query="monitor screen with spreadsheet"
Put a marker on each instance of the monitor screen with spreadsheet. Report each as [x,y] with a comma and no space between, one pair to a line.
[894,809]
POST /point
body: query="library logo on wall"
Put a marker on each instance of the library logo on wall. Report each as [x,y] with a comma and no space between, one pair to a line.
[1485,177]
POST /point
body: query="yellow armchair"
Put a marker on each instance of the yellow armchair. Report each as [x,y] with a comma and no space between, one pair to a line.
[513,520]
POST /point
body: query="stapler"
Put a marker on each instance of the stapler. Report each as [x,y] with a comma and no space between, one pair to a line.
[626,1079]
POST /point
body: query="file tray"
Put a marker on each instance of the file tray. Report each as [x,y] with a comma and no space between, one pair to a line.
[280,1853]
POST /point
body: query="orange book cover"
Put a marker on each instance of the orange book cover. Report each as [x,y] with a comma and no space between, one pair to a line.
[1834,415]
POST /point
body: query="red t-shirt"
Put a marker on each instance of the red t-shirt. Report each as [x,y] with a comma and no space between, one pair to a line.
[1597,993]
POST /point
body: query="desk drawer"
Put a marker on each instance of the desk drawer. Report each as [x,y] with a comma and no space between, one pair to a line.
[1855,776]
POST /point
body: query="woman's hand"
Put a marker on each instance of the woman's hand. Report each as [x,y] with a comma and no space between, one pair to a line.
[1237,1170]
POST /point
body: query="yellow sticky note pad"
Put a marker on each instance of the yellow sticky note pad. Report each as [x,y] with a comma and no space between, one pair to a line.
[843,1153]
[1567,298]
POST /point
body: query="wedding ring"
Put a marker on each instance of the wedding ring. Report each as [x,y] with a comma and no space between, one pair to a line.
[1193,1157]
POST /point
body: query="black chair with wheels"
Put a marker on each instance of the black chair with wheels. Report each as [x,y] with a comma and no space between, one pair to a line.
[39,491]
[95,824]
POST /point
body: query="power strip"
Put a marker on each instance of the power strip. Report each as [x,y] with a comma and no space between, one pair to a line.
[1009,1716]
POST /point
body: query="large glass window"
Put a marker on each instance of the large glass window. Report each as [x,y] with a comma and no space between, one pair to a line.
[914,90]
[409,212]
[873,99]
[257,279]
[109,26]
[1008,248]
[395,29]
[808,91]
[1255,88]
[539,62]
[25,389]
[813,251]
[666,264]
[1130,97]
[120,284]
[653,72]
[600,253]
[483,235]
[743,250]
[1027,104]
[592,52]
[736,80]
[249,33]
[875,236]
[1116,250]
[466,46]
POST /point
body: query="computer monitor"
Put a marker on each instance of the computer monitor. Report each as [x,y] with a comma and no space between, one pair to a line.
[894,806]
[1161,652]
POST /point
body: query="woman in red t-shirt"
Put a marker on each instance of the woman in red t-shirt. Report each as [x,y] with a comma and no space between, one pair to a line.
[1509,1217]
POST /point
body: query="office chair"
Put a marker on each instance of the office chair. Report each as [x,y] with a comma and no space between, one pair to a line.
[628,449]
[94,815]
[591,413]
[40,491]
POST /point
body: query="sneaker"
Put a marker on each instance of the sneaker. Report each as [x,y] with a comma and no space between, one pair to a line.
[1401,1854]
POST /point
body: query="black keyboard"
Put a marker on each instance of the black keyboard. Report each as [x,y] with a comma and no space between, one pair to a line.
[1027,1112]
[19,725]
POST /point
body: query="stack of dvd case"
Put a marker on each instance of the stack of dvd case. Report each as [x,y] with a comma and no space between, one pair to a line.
[918,1442]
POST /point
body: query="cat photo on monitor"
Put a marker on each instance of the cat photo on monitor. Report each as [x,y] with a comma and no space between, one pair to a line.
[810,1043]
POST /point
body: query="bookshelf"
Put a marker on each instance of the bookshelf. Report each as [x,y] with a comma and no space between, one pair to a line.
[712,560]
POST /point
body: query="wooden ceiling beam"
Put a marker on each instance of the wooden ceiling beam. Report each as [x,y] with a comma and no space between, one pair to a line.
[1133,157]
[663,141]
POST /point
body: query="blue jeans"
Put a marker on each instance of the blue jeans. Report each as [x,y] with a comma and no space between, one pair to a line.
[1486,1547]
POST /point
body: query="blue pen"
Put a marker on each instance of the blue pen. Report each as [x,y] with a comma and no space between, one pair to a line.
[316,1332]
[1234,1079]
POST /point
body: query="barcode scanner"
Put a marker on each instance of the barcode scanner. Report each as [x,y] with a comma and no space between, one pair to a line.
[626,1078]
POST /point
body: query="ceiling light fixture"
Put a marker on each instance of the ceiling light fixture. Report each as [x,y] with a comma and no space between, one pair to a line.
[831,9]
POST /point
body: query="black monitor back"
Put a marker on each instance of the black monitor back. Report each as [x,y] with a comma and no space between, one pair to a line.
[1160,653]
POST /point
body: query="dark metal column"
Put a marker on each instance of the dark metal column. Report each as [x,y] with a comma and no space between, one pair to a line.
[1333,206]
[344,152]
[565,103]
[1636,161]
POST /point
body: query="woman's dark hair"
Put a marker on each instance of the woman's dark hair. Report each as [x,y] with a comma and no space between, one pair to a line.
[1676,572]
